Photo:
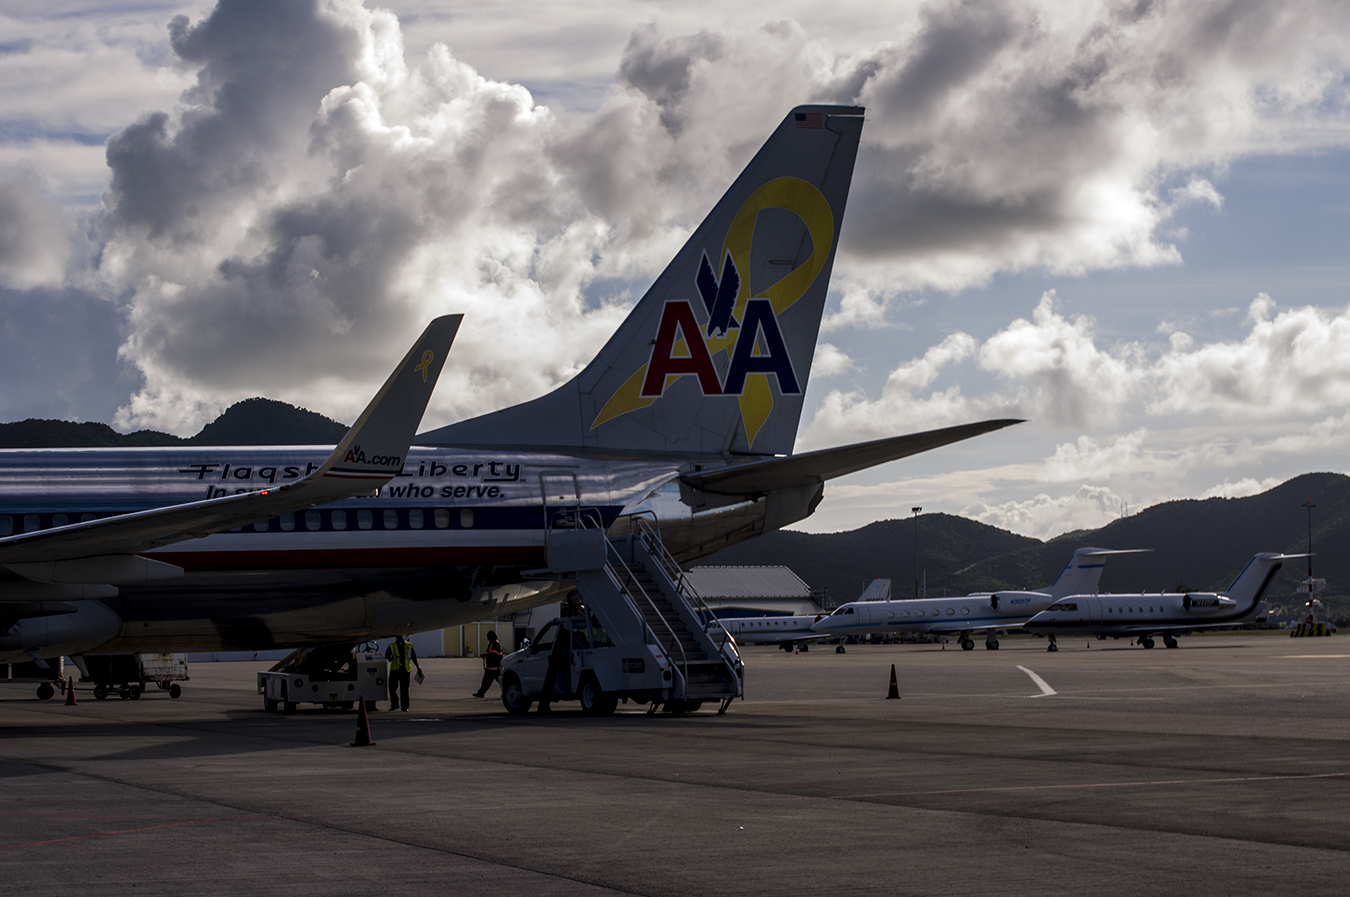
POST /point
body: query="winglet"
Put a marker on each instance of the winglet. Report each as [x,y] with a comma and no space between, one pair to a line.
[374,448]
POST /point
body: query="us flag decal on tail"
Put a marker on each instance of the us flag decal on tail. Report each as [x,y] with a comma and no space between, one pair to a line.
[809,120]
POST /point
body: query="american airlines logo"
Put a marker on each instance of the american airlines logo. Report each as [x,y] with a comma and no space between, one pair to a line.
[356,456]
[681,344]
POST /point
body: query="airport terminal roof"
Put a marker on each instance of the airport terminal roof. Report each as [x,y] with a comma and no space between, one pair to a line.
[720,584]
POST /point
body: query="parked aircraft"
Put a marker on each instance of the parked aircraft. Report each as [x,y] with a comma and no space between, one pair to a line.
[1145,615]
[786,632]
[688,415]
[990,612]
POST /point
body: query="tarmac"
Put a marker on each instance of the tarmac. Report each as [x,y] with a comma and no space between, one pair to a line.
[1220,767]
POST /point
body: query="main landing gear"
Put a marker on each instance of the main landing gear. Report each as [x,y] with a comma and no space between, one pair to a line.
[967,644]
[1146,641]
[1052,646]
[1169,641]
[991,643]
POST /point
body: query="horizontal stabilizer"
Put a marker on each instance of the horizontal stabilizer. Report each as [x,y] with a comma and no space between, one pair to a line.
[810,468]
[369,455]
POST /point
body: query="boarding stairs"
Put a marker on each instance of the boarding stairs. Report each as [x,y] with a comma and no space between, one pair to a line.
[642,596]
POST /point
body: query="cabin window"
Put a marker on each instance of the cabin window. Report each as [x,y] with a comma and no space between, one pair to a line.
[60,520]
[262,525]
[965,611]
[466,518]
[313,520]
[415,518]
[390,518]
[339,520]
[85,518]
[904,613]
[442,518]
[890,615]
[6,525]
[364,519]
[287,522]
[918,613]
[950,612]
[31,523]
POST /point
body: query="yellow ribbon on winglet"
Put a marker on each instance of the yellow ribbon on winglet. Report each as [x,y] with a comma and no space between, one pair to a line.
[427,358]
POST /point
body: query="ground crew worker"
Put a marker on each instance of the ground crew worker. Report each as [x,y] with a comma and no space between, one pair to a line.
[402,657]
[492,664]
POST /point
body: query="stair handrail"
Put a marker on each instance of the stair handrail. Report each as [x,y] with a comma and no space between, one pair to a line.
[651,537]
[683,662]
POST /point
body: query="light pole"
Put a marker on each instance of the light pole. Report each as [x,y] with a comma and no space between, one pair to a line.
[916,550]
[1309,505]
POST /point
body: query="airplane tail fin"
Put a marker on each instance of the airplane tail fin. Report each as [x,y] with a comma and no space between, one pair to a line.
[716,356]
[1250,585]
[877,590]
[1083,574]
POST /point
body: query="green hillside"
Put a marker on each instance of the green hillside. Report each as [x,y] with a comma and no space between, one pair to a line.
[250,422]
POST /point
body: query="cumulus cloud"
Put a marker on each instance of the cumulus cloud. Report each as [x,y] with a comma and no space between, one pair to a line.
[1044,517]
[314,195]
[34,235]
[1291,365]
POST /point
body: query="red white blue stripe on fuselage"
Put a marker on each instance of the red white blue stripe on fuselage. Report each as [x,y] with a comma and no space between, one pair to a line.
[448,507]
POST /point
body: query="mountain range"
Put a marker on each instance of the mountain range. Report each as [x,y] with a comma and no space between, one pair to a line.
[1197,544]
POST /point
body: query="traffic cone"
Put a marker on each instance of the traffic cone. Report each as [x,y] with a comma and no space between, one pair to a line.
[894,694]
[1089,643]
[362,726]
[796,649]
[70,693]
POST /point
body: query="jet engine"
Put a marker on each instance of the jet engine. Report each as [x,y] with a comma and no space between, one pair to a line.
[66,628]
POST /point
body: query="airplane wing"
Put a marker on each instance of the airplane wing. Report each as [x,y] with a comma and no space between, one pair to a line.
[810,468]
[369,455]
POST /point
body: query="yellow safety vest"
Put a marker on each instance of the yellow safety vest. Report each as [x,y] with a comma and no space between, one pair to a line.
[400,660]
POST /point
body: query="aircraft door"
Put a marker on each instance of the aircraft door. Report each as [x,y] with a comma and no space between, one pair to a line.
[1093,606]
[562,498]
[535,664]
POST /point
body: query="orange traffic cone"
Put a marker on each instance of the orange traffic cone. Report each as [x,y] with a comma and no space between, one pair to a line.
[70,693]
[796,649]
[1089,643]
[894,694]
[362,726]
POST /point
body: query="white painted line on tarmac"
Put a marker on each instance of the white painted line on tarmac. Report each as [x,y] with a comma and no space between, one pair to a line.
[1044,686]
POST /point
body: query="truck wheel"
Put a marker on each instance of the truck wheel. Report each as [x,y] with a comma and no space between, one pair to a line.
[513,697]
[175,690]
[134,692]
[288,706]
[45,692]
[269,704]
[591,697]
[100,692]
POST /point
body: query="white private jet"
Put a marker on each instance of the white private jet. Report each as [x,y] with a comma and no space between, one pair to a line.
[786,632]
[1144,615]
[990,612]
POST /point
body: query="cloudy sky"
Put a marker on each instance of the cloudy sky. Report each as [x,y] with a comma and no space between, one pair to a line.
[1124,221]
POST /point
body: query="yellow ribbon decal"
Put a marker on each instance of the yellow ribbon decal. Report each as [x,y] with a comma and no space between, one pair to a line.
[427,357]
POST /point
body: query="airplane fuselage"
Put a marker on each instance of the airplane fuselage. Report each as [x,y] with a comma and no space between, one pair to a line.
[972,613]
[444,542]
